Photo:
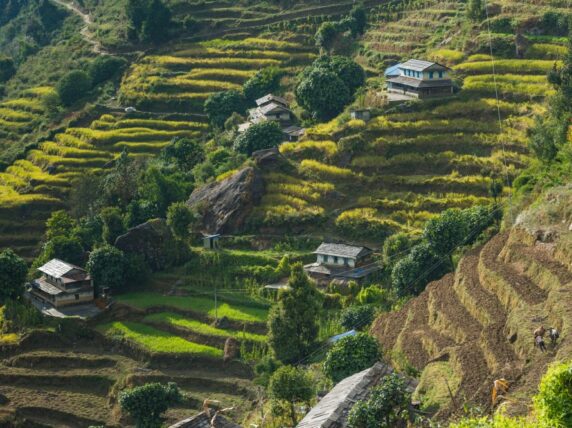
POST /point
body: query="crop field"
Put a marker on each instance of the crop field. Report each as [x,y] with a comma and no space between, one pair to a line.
[20,116]
[183,79]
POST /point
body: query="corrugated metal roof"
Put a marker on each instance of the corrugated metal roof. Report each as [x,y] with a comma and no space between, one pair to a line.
[342,250]
[267,98]
[46,287]
[265,109]
[57,268]
[420,65]
[392,71]
[418,83]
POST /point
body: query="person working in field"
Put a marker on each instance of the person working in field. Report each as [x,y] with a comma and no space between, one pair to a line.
[539,338]
[554,335]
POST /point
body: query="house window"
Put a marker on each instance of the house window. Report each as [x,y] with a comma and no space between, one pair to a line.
[430,75]
[440,75]
[76,296]
[335,260]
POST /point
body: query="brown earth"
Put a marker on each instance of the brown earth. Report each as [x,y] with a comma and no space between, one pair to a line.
[481,320]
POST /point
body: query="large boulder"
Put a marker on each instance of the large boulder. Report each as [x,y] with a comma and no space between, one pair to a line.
[225,205]
[154,241]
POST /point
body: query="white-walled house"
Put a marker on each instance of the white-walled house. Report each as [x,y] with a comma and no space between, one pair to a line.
[62,284]
[421,79]
[341,254]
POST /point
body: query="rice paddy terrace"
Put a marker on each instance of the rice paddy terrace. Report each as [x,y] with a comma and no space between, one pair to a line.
[53,382]
[413,161]
[475,326]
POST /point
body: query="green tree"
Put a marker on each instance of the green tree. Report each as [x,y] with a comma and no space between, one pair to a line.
[7,69]
[120,184]
[263,82]
[112,221]
[157,22]
[67,248]
[221,105]
[136,11]
[395,248]
[350,72]
[293,321]
[357,317]
[410,274]
[326,35]
[358,20]
[186,153]
[387,406]
[60,223]
[162,189]
[104,67]
[446,232]
[349,355]
[180,219]
[73,86]
[322,93]
[259,136]
[553,403]
[107,267]
[13,271]
[291,385]
[147,403]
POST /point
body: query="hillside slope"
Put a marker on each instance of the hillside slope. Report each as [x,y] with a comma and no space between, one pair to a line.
[476,325]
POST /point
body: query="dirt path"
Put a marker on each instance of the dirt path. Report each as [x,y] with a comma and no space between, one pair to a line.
[87,35]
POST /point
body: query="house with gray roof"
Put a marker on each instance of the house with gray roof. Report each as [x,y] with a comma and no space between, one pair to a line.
[62,284]
[341,262]
[420,79]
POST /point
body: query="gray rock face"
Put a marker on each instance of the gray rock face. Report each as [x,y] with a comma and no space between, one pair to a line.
[226,205]
[153,240]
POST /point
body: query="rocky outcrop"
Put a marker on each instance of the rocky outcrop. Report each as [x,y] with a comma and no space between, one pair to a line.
[225,205]
[154,241]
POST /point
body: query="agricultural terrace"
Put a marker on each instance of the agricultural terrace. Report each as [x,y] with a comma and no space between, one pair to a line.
[183,79]
[33,187]
[20,116]
[405,166]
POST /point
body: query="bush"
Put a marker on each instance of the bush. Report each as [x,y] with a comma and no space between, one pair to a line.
[410,275]
[73,86]
[147,403]
[221,105]
[554,400]
[386,407]
[395,248]
[263,82]
[350,355]
[357,317]
[259,136]
[107,267]
[104,68]
[13,271]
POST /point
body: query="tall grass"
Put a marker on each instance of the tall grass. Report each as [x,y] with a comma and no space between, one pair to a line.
[515,66]
[313,168]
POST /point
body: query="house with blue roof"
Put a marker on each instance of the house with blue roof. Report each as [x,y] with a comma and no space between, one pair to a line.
[419,79]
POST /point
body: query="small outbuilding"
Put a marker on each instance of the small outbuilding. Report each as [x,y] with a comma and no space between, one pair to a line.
[62,284]
[361,114]
[211,242]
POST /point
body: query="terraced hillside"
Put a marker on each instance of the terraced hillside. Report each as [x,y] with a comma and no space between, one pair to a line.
[476,325]
[415,160]
[160,339]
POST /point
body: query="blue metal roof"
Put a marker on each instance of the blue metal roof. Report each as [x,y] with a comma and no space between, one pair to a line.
[334,339]
[392,71]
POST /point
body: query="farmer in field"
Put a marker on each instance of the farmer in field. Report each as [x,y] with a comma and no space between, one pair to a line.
[540,343]
[540,331]
[554,335]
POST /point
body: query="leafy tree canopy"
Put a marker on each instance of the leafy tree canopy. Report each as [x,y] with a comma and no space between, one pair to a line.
[104,67]
[180,219]
[13,271]
[7,68]
[357,317]
[73,86]
[291,385]
[263,82]
[322,93]
[350,355]
[259,136]
[107,267]
[147,403]
[186,153]
[220,106]
[60,223]
[410,274]
[387,406]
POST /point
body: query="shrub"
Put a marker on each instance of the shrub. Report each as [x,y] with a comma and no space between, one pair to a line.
[104,68]
[349,355]
[395,248]
[73,86]
[446,232]
[357,317]
[107,267]
[221,105]
[554,400]
[322,93]
[147,403]
[180,218]
[291,385]
[13,271]
[386,407]
[263,82]
[259,136]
